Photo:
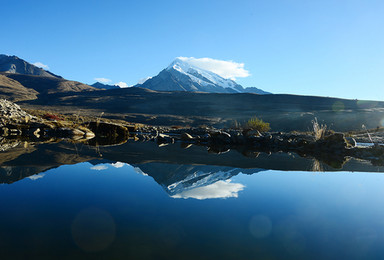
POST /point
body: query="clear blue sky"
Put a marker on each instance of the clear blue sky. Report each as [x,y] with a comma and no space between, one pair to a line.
[320,47]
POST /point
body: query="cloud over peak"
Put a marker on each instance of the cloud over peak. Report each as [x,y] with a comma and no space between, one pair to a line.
[41,65]
[103,80]
[226,69]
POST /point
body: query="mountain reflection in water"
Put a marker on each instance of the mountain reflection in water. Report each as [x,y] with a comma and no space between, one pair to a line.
[139,201]
[189,181]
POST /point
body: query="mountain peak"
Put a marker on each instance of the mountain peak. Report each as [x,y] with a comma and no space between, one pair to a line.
[181,75]
[16,65]
[100,85]
[180,65]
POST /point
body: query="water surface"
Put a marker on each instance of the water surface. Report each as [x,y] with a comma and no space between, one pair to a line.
[153,203]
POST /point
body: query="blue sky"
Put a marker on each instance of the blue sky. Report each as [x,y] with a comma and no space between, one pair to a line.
[326,48]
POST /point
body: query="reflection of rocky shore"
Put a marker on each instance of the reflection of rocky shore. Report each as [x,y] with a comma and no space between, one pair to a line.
[11,174]
[333,149]
[167,164]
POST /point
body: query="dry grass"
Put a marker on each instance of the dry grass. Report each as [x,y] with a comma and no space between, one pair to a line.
[77,120]
[316,166]
[318,130]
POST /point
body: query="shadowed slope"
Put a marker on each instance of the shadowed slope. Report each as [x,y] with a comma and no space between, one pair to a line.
[12,90]
[283,112]
[48,85]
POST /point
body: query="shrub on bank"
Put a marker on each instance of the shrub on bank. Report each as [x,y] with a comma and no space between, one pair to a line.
[257,124]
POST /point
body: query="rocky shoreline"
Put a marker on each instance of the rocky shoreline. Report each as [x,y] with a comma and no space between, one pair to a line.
[15,122]
[332,149]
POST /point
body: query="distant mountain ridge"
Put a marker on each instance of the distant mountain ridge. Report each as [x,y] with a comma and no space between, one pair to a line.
[104,86]
[182,76]
[19,87]
[20,81]
[178,76]
[13,64]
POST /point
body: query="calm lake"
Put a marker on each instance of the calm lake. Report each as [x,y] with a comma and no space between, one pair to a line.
[140,201]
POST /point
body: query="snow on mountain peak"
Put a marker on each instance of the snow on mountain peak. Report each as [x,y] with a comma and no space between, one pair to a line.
[180,65]
[201,76]
[225,68]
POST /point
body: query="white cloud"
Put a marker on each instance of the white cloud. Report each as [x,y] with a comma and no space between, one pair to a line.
[220,189]
[143,80]
[118,164]
[226,69]
[122,84]
[99,167]
[103,80]
[41,65]
[36,176]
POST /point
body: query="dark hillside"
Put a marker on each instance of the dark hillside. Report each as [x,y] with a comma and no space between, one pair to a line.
[12,90]
[48,85]
[13,64]
[284,112]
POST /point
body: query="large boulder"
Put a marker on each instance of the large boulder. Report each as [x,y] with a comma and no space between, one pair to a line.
[107,133]
[220,138]
[334,141]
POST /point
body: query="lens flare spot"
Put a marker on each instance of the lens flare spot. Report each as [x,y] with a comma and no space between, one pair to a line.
[260,226]
[338,106]
[289,234]
[93,230]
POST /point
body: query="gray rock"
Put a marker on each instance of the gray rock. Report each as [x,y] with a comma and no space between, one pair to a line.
[221,137]
[334,141]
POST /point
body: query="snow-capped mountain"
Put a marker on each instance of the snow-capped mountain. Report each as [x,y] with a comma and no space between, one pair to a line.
[182,76]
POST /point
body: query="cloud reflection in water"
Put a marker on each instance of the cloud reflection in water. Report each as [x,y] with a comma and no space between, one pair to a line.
[219,189]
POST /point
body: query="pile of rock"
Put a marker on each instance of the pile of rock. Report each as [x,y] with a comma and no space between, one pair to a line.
[16,123]
[12,113]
